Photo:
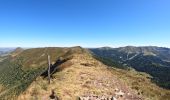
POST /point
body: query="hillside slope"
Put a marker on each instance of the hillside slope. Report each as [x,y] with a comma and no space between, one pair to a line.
[80,76]
[75,73]
[152,60]
[21,67]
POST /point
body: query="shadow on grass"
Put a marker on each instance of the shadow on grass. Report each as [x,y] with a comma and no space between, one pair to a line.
[54,68]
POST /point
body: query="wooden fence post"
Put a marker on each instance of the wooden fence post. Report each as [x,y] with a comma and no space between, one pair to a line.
[49,65]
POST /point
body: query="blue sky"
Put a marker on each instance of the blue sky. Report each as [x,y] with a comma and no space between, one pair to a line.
[88,23]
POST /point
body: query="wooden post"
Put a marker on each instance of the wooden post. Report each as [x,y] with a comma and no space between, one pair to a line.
[49,65]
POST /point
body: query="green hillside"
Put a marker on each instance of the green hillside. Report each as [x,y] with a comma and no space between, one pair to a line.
[152,60]
[22,67]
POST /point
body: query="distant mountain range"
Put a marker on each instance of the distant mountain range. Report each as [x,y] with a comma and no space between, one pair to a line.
[6,50]
[150,59]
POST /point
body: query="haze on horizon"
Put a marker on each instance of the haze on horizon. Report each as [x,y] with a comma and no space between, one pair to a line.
[87,23]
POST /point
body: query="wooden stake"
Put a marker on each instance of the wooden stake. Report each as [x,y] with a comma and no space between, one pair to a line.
[49,65]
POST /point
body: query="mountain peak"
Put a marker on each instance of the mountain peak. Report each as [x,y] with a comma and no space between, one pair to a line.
[17,51]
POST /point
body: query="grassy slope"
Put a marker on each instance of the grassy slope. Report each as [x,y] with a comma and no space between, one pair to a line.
[138,81]
[150,64]
[19,70]
[75,79]
[142,83]
[81,75]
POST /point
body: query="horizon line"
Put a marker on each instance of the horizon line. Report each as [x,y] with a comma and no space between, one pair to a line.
[85,46]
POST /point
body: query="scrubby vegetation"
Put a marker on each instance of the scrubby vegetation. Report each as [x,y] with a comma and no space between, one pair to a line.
[22,67]
[110,62]
[14,78]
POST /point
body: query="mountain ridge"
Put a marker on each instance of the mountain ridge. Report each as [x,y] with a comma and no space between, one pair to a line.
[21,75]
[81,75]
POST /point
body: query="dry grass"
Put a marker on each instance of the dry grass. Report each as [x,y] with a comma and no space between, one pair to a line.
[2,88]
[142,83]
[83,75]
[78,79]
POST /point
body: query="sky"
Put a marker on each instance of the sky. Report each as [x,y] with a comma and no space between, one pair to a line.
[86,23]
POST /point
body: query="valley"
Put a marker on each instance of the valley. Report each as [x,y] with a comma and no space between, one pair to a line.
[151,60]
